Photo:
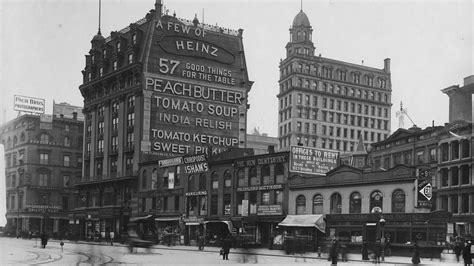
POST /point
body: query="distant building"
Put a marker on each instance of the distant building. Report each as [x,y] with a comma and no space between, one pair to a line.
[261,143]
[460,100]
[67,111]
[326,103]
[43,160]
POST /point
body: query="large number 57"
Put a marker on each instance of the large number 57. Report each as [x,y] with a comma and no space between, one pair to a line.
[168,66]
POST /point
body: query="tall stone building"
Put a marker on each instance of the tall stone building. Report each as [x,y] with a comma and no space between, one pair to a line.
[43,158]
[163,87]
[327,103]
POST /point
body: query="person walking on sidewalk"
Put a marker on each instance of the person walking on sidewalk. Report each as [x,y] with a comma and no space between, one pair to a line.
[416,254]
[201,242]
[334,252]
[226,243]
[466,254]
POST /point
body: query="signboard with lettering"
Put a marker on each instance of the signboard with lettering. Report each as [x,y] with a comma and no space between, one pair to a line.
[265,187]
[262,161]
[309,160]
[269,210]
[28,104]
[196,87]
[424,192]
[245,207]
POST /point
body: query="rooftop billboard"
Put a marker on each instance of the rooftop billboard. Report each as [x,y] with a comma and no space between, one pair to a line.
[307,160]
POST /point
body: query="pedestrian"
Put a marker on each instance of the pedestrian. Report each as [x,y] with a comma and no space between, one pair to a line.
[334,252]
[112,236]
[457,248]
[388,247]
[416,254]
[377,252]
[226,243]
[44,239]
[466,254]
[365,251]
[343,249]
[201,241]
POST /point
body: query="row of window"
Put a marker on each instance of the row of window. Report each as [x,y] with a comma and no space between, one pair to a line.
[455,150]
[43,178]
[354,203]
[329,73]
[458,203]
[113,163]
[455,176]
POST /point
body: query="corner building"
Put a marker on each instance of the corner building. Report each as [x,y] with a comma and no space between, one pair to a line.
[326,103]
[160,88]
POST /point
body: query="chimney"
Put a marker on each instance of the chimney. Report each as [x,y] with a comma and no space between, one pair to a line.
[386,65]
[74,115]
[271,149]
[469,80]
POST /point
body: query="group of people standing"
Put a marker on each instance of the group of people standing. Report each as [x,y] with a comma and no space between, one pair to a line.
[463,249]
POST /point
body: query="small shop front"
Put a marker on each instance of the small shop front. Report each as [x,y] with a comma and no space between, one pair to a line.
[301,232]
[169,229]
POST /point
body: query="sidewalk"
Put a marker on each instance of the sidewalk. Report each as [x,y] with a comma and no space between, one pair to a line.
[353,259]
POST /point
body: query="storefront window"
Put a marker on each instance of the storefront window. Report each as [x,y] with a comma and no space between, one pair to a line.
[191,206]
[336,203]
[301,205]
[398,201]
[253,202]
[376,200]
[355,203]
[318,204]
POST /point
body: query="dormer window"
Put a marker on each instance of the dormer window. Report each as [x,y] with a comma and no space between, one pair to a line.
[134,39]
[118,47]
[114,65]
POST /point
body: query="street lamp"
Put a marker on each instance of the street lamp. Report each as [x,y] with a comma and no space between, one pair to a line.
[382,237]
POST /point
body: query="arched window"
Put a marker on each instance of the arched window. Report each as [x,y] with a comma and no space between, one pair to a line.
[300,204]
[154,179]
[253,176]
[44,139]
[398,201]
[336,203]
[67,142]
[265,172]
[279,173]
[376,200]
[9,143]
[202,182]
[215,180]
[227,178]
[241,177]
[318,204]
[22,137]
[15,141]
[355,203]
[144,179]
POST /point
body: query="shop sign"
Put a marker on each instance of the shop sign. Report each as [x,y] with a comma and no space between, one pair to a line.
[196,193]
[196,168]
[43,208]
[269,210]
[266,187]
[170,162]
[424,192]
[245,207]
[193,219]
[262,161]
[309,160]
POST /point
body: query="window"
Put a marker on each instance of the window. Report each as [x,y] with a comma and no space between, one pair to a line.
[454,150]
[279,173]
[118,47]
[100,128]
[131,101]
[278,197]
[398,201]
[44,139]
[67,142]
[66,180]
[114,142]
[114,65]
[130,140]
[44,158]
[336,203]
[465,148]
[300,204]
[433,157]
[115,107]
[165,178]
[253,176]
[454,176]
[113,166]
[115,123]
[134,39]
[104,53]
[100,145]
[241,177]
[215,180]
[318,204]
[101,71]
[191,183]
[214,202]
[465,175]
[265,173]
[43,179]
[202,182]
[154,179]
[376,200]
[130,58]
[99,168]
[227,179]
[420,155]
[355,203]
[144,179]
[66,160]
[444,177]
[265,198]
[444,149]
[130,119]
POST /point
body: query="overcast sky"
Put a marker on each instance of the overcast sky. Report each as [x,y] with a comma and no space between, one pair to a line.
[430,44]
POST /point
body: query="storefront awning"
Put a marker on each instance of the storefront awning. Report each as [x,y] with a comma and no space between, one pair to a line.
[141,218]
[311,220]
[228,223]
[167,219]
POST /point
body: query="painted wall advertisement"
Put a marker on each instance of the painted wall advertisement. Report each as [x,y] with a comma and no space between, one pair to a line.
[28,104]
[309,160]
[195,90]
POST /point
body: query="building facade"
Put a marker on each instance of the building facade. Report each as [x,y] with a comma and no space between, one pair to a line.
[43,159]
[261,143]
[163,87]
[326,103]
